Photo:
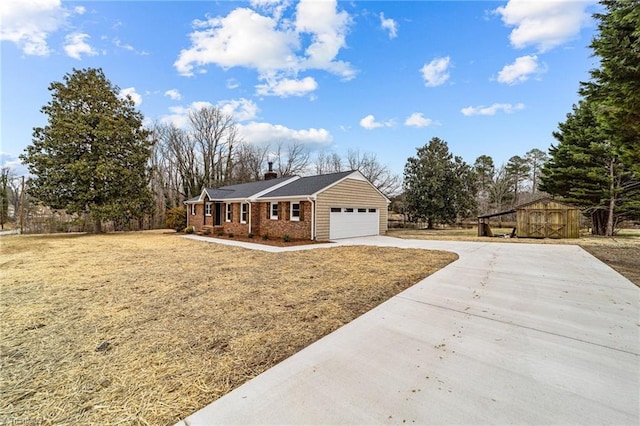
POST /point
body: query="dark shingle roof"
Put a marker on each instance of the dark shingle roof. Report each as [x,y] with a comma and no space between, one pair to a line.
[306,186]
[243,190]
[298,187]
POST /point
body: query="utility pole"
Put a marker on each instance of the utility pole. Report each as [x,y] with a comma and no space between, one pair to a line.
[22,206]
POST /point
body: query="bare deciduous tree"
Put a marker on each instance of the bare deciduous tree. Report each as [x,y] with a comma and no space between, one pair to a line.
[377,173]
[249,162]
[328,163]
[292,159]
[215,134]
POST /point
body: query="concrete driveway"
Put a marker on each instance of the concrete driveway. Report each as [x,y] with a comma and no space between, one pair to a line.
[508,334]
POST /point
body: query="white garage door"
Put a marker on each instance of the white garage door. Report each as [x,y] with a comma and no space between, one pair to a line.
[347,222]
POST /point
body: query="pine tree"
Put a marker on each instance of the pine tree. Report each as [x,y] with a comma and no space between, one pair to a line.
[615,85]
[92,155]
[438,187]
[597,161]
[585,170]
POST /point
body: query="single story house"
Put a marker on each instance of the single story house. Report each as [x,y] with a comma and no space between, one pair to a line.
[322,207]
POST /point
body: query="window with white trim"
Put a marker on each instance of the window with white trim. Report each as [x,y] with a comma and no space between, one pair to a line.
[295,212]
[273,211]
[244,213]
[207,209]
[193,209]
[228,212]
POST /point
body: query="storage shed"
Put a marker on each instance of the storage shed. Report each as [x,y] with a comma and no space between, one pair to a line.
[542,218]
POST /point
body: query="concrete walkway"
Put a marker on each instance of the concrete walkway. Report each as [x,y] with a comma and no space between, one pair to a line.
[508,334]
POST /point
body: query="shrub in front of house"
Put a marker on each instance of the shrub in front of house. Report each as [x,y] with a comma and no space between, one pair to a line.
[189,229]
[176,218]
[286,238]
[265,237]
[250,235]
[230,234]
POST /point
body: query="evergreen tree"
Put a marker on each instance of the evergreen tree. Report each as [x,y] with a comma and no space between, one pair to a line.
[586,170]
[615,85]
[517,170]
[438,187]
[484,170]
[535,159]
[597,161]
[92,155]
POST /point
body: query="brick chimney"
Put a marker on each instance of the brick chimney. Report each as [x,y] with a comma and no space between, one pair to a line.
[270,174]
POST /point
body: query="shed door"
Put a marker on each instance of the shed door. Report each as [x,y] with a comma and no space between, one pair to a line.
[556,224]
[347,222]
[537,224]
[547,223]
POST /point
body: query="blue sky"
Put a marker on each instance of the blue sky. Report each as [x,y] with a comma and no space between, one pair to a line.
[489,77]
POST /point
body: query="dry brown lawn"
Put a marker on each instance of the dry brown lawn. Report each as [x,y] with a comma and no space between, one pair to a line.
[146,328]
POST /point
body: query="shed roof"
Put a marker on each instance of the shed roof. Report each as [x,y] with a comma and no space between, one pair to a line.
[545,200]
[523,205]
[488,215]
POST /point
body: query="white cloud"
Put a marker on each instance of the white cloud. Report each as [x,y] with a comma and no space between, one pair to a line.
[232,83]
[328,29]
[243,38]
[122,45]
[179,116]
[435,73]
[29,23]
[369,122]
[277,48]
[417,119]
[544,24]
[75,45]
[240,109]
[390,25]
[274,7]
[267,133]
[492,110]
[520,70]
[287,87]
[16,167]
[174,94]
[131,91]
[80,10]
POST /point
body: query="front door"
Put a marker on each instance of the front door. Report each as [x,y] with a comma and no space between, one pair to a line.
[218,214]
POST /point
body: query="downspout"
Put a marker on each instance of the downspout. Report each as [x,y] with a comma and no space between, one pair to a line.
[313,217]
[249,221]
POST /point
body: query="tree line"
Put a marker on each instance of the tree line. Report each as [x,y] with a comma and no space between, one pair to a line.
[96,158]
[442,188]
[209,153]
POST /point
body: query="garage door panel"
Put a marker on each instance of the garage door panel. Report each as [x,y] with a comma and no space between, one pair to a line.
[353,222]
